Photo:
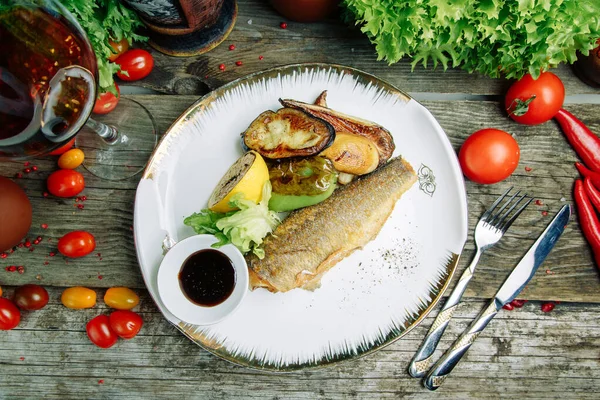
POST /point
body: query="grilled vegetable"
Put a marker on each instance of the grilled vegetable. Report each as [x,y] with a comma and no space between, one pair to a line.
[381,137]
[352,154]
[247,176]
[345,178]
[288,133]
[301,182]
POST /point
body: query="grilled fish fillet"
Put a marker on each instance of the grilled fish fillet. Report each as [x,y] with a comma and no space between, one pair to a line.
[312,240]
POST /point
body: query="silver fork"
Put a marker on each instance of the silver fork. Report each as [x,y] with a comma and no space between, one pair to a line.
[489,230]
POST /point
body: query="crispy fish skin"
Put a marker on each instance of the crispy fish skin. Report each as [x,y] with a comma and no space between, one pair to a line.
[312,240]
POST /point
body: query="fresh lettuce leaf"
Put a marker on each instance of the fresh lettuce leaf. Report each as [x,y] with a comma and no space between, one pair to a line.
[494,37]
[244,228]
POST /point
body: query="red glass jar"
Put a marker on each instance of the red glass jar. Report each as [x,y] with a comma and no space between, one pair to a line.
[305,10]
[587,67]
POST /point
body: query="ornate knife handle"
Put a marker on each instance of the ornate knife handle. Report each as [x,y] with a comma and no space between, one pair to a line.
[422,360]
[452,356]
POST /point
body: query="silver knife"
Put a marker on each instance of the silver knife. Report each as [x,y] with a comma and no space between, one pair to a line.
[509,290]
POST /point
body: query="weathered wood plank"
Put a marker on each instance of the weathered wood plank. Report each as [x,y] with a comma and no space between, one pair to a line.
[523,352]
[330,41]
[108,211]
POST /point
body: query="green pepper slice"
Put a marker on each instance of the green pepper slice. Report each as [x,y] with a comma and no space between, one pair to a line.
[301,182]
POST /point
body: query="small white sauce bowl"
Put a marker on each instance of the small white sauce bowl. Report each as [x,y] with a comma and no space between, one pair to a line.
[172,295]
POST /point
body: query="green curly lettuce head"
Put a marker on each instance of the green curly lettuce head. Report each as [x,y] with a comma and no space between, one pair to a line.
[494,37]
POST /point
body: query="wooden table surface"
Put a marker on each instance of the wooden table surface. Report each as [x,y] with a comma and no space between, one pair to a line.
[523,353]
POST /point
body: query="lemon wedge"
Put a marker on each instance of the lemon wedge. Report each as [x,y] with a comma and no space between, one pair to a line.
[247,176]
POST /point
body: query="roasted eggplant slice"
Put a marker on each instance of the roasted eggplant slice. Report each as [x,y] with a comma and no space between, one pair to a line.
[288,133]
[380,136]
[322,99]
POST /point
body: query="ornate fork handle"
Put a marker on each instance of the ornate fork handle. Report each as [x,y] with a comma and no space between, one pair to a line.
[452,356]
[422,360]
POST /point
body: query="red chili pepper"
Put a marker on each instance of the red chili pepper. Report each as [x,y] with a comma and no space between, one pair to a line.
[588,220]
[591,175]
[592,192]
[584,141]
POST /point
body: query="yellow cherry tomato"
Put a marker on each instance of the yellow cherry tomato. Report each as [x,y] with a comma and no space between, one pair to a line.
[121,298]
[71,159]
[118,48]
[78,297]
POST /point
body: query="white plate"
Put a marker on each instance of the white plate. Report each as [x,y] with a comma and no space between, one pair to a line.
[369,299]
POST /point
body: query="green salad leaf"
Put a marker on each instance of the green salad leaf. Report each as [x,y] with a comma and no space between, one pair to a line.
[104,20]
[245,228]
[494,37]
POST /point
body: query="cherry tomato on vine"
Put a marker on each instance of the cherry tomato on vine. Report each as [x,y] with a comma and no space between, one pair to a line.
[119,48]
[136,62]
[71,159]
[121,298]
[10,316]
[534,101]
[78,297]
[100,332]
[65,183]
[31,297]
[76,244]
[107,102]
[125,323]
[489,156]
[63,148]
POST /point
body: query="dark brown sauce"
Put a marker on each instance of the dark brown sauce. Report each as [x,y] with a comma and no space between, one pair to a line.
[207,277]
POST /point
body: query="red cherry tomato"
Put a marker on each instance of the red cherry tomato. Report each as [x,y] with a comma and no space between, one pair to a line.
[489,156]
[107,102]
[125,323]
[533,102]
[65,183]
[63,148]
[100,332]
[10,316]
[30,297]
[76,244]
[119,48]
[136,62]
